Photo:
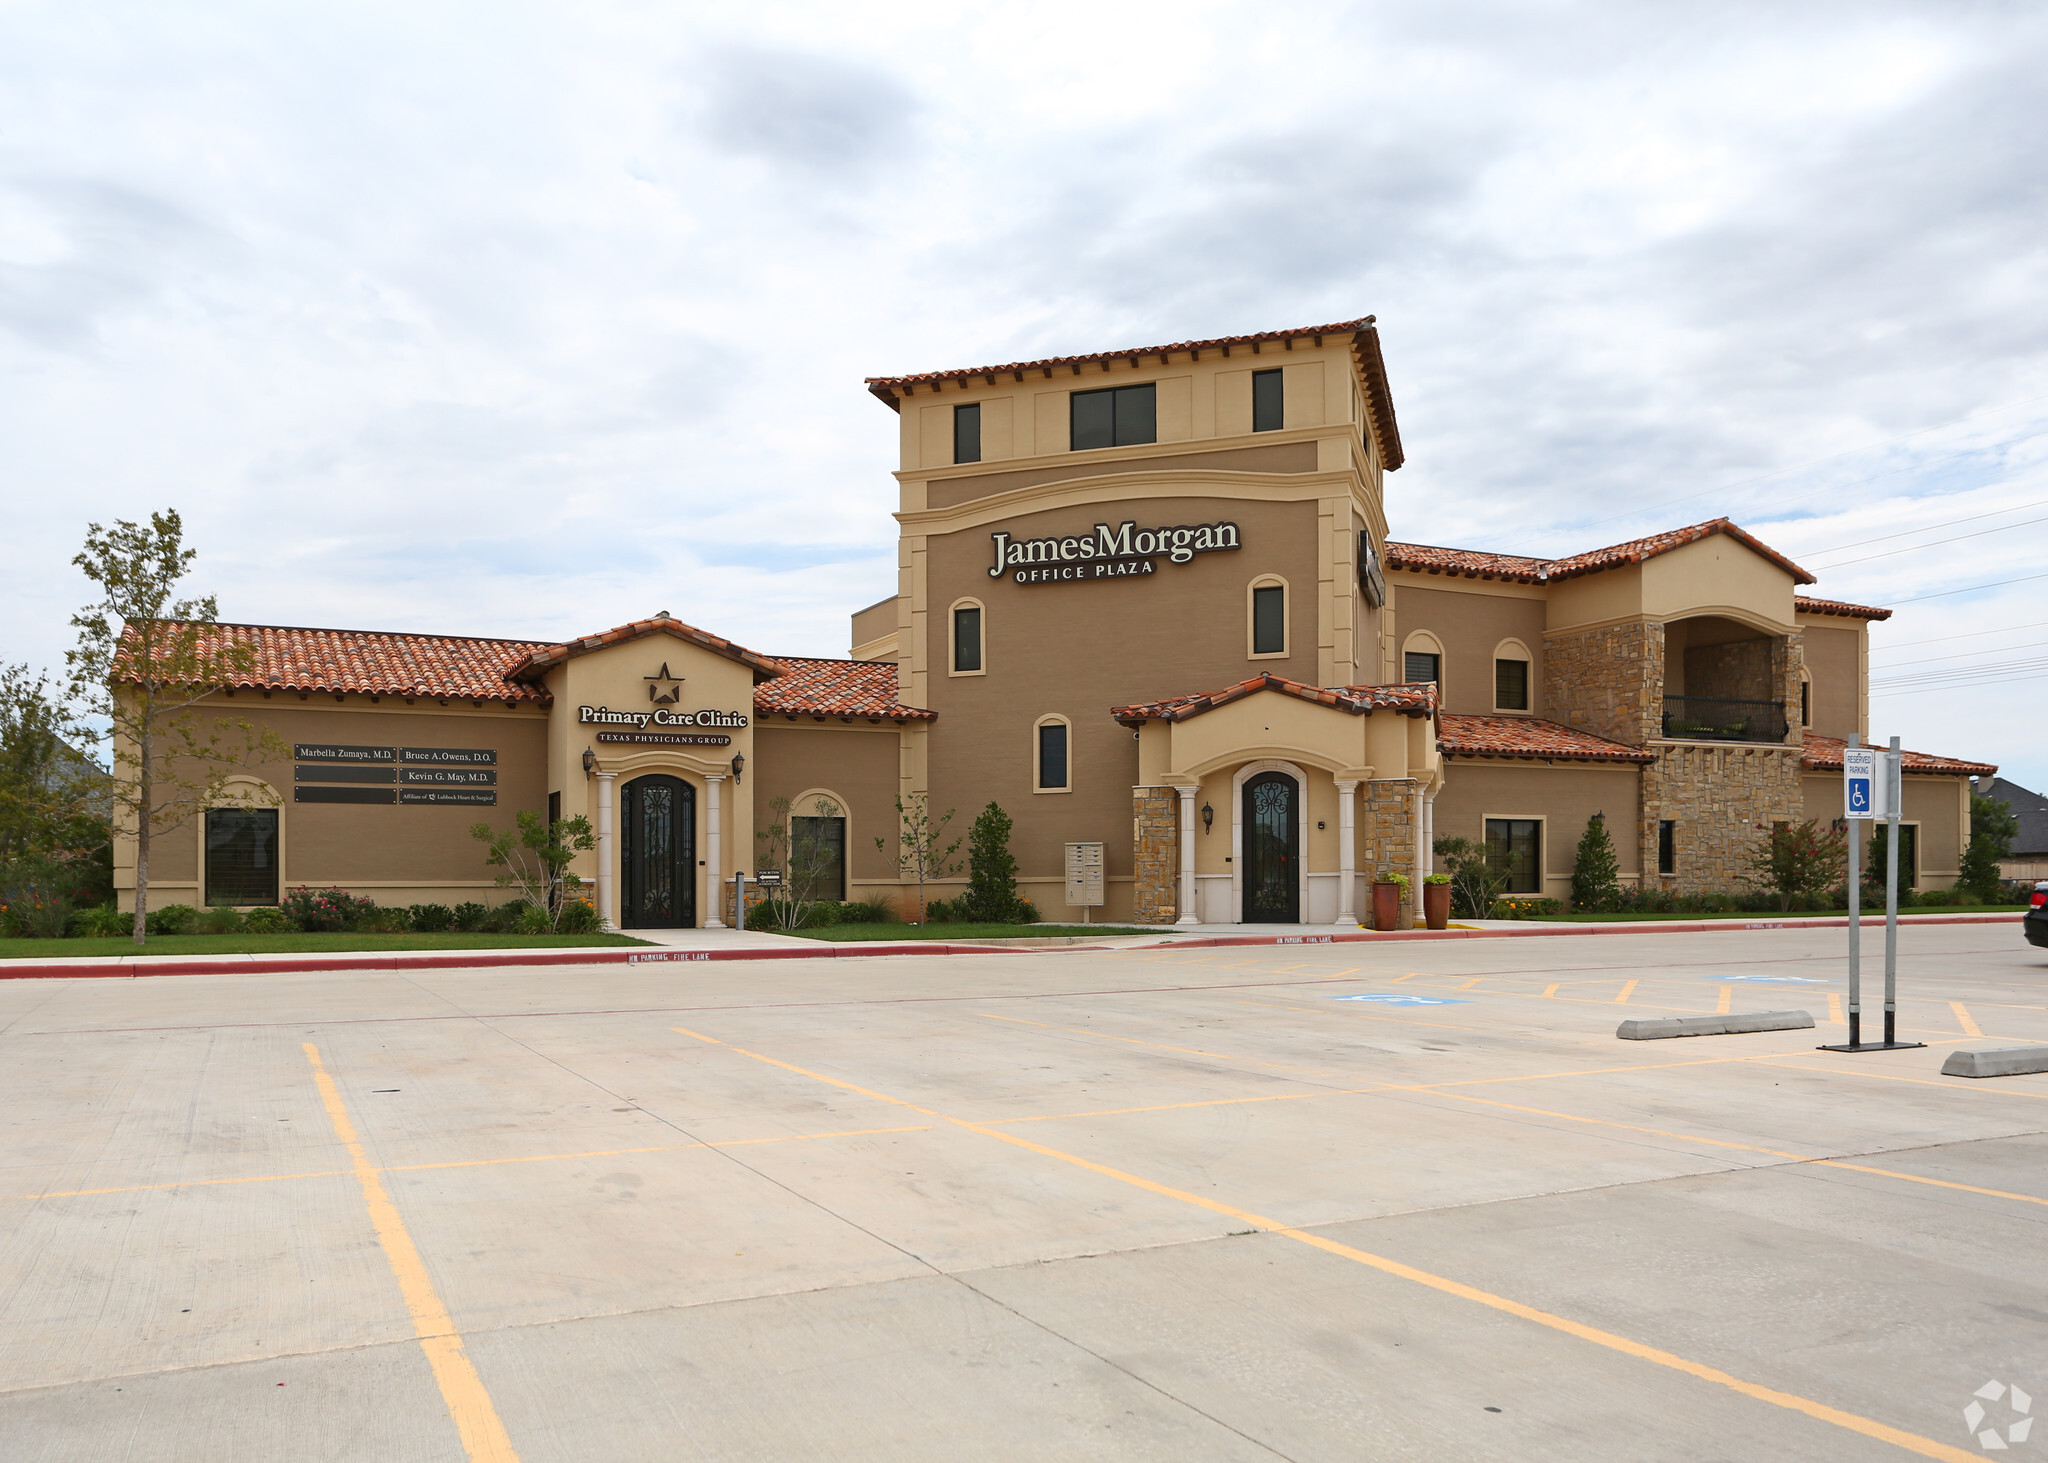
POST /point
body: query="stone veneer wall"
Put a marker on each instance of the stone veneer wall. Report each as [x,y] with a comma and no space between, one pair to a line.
[1386,839]
[1608,681]
[1738,670]
[1155,843]
[1723,797]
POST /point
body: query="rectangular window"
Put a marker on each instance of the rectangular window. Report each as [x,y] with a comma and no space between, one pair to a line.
[967,638]
[1052,755]
[1667,846]
[817,854]
[1806,703]
[1269,619]
[1421,665]
[1119,416]
[967,433]
[1511,685]
[241,855]
[1269,412]
[1515,844]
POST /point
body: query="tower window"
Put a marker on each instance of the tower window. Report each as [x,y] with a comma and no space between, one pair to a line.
[967,638]
[1511,685]
[1052,756]
[967,433]
[1421,665]
[1667,846]
[1269,619]
[1268,403]
[1120,416]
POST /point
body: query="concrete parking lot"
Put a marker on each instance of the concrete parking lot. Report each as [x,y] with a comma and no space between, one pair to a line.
[1339,1202]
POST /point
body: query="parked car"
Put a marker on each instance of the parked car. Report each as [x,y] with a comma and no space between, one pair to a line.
[2037,915]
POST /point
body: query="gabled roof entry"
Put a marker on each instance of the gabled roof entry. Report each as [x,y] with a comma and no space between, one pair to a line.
[543,659]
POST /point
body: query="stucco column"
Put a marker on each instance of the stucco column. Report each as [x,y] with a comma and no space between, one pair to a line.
[714,860]
[1421,853]
[1428,835]
[1187,855]
[607,910]
[1347,853]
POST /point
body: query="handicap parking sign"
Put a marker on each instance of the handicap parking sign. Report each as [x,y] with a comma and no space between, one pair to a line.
[1404,1000]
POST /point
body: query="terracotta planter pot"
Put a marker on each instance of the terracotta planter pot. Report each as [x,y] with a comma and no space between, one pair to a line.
[1436,906]
[1386,906]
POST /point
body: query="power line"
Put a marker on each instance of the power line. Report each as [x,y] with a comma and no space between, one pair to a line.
[1963,674]
[1914,548]
[1965,655]
[1922,690]
[1923,528]
[1968,635]
[1966,589]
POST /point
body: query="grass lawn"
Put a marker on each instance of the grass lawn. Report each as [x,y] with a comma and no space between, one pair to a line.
[961,932]
[294,944]
[1770,914]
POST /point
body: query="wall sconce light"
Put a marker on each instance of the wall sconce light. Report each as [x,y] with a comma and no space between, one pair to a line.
[738,762]
[1208,817]
[589,761]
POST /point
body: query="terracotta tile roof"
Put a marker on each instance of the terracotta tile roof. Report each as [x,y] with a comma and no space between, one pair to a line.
[1802,605]
[1365,348]
[1479,564]
[544,658]
[1824,754]
[1524,736]
[1408,700]
[1465,563]
[371,663]
[843,688]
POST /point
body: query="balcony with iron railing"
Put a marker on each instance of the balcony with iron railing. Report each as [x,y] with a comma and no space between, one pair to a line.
[1719,719]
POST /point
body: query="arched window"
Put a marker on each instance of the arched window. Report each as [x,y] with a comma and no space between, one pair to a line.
[966,628]
[1422,658]
[1511,688]
[817,844]
[1052,757]
[1265,612]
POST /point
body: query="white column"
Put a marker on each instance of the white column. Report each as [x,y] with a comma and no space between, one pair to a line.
[1187,855]
[607,908]
[1429,834]
[714,860]
[1347,853]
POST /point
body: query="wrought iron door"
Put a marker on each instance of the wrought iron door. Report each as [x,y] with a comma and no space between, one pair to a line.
[1272,853]
[658,855]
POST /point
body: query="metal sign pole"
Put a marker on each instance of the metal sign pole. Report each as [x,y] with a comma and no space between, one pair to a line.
[1871,790]
[1855,922]
[1895,789]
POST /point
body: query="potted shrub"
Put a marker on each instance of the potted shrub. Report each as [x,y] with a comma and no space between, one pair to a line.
[1387,889]
[1436,901]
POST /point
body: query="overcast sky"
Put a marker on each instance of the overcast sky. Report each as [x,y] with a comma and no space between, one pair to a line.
[522,320]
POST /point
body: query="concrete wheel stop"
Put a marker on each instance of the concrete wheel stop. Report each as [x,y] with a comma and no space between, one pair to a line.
[1656,1028]
[2004,1061]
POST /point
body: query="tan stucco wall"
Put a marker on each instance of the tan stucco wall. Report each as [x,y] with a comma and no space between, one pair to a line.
[1835,656]
[857,764]
[1471,627]
[1564,796]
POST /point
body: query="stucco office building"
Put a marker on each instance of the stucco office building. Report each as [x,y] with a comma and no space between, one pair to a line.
[1145,599]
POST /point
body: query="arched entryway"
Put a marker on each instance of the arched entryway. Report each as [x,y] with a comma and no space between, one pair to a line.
[658,854]
[1272,849]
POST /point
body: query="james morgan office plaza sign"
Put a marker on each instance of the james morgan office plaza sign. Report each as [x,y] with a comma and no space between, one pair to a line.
[1107,553]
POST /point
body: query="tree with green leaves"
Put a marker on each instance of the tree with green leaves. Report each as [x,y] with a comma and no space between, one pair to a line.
[533,856]
[1993,826]
[1479,874]
[1797,861]
[144,662]
[1596,872]
[805,862]
[992,870]
[921,851]
[52,796]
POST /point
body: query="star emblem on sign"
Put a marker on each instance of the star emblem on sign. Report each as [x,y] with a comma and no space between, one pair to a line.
[664,689]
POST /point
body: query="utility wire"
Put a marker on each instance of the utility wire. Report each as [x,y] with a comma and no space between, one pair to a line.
[1966,589]
[1915,548]
[1922,690]
[1923,528]
[1968,635]
[1961,674]
[1965,655]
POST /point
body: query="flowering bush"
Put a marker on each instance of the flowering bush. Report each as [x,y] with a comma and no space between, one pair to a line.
[325,911]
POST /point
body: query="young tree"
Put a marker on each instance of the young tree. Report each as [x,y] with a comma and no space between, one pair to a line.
[535,856]
[52,796]
[1478,873]
[992,869]
[805,862]
[919,851]
[1795,860]
[143,663]
[1993,826]
[1596,872]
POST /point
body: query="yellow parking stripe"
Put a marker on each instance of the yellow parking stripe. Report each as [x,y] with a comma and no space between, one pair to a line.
[1968,1022]
[1727,1000]
[1626,991]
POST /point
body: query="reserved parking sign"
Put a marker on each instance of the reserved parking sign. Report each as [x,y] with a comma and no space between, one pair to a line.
[1860,787]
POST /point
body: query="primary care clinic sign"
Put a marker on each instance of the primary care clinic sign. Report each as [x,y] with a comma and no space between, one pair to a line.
[1107,553]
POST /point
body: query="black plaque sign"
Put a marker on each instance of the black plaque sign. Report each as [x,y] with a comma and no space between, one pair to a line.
[329,752]
[668,739]
[343,774]
[480,797]
[453,756]
[448,776]
[343,795]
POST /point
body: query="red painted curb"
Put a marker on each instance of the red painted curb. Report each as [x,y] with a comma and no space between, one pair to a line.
[131,967]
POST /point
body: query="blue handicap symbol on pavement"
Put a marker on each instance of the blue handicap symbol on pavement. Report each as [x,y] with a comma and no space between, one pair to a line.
[1769,979]
[1404,1000]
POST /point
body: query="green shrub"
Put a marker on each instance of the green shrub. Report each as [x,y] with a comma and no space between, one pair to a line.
[943,912]
[37,896]
[579,917]
[1522,906]
[325,911]
[874,910]
[762,917]
[530,919]
[267,919]
[430,919]
[218,919]
[508,918]
[469,918]
[991,896]
[1596,872]
[172,919]
[102,921]
[384,922]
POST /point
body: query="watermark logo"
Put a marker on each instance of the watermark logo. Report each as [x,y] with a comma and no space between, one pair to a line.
[2017,1403]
